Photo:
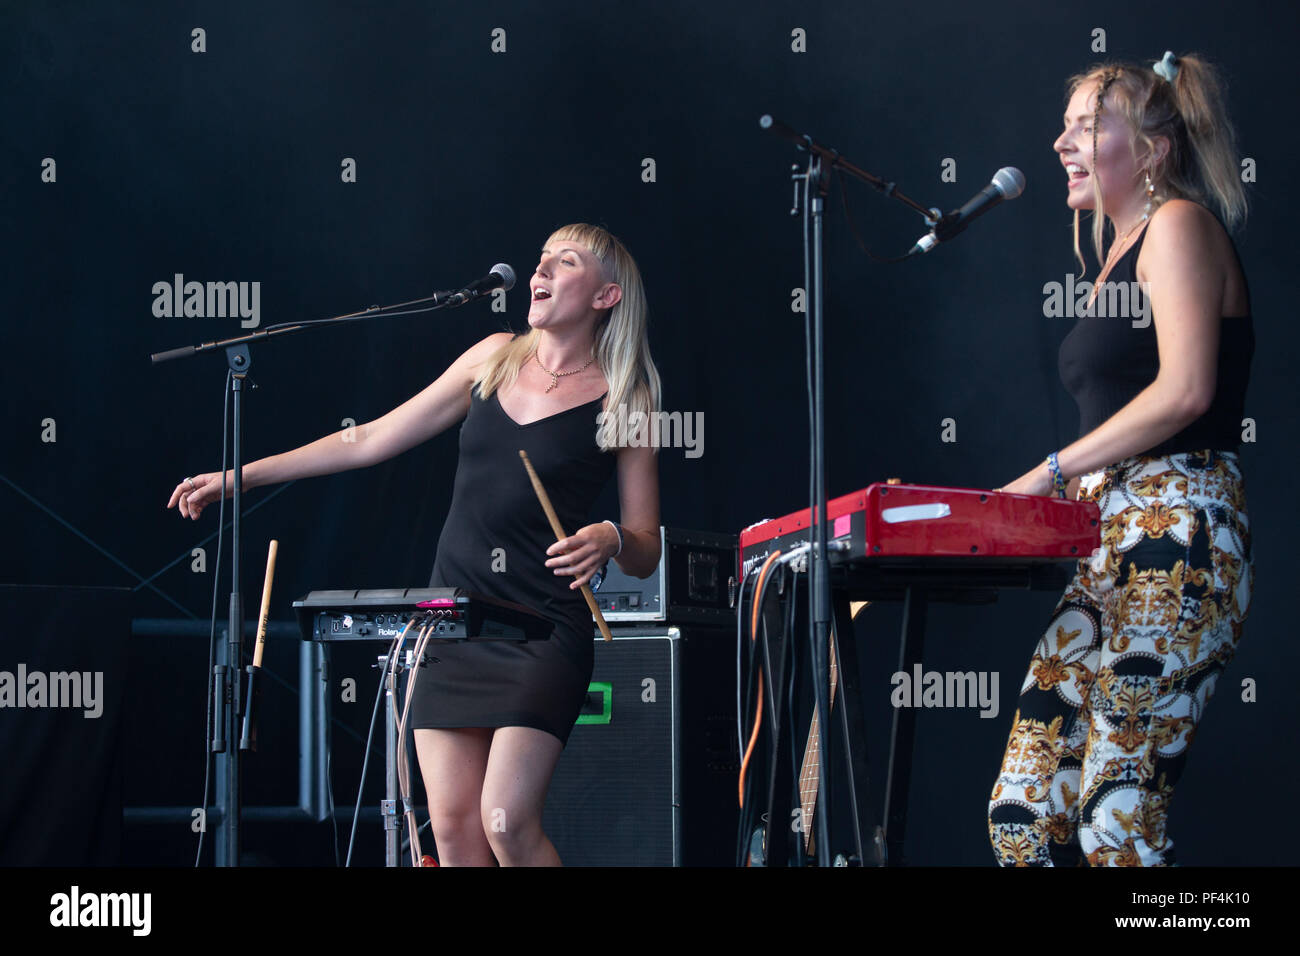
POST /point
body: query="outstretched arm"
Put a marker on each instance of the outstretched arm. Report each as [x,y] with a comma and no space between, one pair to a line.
[436,408]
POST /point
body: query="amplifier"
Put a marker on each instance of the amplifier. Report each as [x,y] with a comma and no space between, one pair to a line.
[649,774]
[693,583]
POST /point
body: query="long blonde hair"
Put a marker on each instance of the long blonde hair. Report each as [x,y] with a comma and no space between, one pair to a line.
[1191,112]
[622,348]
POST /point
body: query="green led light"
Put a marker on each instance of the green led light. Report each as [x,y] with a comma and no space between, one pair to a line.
[606,691]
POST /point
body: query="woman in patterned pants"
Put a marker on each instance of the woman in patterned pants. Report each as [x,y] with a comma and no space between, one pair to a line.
[1132,653]
[1122,675]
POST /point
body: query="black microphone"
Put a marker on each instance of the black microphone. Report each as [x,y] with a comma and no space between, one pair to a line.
[1008,183]
[501,277]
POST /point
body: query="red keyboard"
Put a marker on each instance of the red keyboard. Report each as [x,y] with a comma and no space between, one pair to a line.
[895,521]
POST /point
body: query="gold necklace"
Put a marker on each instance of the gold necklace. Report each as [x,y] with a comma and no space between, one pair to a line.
[556,376]
[1123,239]
[1111,258]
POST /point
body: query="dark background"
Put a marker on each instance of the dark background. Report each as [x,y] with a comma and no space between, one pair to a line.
[225,166]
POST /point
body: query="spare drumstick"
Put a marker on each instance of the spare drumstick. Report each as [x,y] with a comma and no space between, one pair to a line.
[560,535]
[266,603]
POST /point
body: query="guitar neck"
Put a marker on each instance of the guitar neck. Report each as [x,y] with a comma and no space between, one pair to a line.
[810,769]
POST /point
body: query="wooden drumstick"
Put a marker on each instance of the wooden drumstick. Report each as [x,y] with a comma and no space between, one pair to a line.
[560,535]
[266,603]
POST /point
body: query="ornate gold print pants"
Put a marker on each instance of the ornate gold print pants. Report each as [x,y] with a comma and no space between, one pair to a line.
[1126,667]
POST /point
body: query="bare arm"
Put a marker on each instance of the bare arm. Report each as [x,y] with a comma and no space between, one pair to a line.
[1186,293]
[436,408]
[638,493]
[585,552]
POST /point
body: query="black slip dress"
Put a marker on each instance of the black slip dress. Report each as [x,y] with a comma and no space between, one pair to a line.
[494,542]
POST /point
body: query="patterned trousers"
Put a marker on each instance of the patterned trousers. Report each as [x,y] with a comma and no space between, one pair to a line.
[1128,662]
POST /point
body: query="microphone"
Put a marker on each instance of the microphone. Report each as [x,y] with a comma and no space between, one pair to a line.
[1008,183]
[501,276]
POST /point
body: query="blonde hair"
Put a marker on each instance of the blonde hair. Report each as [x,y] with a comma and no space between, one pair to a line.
[1191,113]
[622,349]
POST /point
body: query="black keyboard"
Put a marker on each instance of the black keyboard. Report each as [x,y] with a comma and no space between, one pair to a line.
[381,614]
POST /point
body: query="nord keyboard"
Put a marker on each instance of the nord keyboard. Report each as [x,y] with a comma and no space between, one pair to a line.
[916,544]
[918,525]
[380,615]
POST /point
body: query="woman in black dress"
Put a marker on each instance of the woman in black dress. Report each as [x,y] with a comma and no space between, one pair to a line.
[491,718]
[1128,662]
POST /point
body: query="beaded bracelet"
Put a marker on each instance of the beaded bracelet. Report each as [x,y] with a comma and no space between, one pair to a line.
[1058,481]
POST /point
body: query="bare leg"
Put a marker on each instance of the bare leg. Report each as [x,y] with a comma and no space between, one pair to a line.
[519,770]
[453,763]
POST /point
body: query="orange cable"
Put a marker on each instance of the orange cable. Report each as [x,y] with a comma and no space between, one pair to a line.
[758,707]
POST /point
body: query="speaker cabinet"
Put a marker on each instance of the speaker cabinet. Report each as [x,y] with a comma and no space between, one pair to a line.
[648,777]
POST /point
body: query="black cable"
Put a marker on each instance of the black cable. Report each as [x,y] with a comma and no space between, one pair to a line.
[787,657]
[777,718]
[808,363]
[812,399]
[383,681]
[329,788]
[844,199]
[795,757]
[374,312]
[740,631]
[746,823]
[212,635]
[329,753]
[757,648]
[813,516]
[746,811]
[751,691]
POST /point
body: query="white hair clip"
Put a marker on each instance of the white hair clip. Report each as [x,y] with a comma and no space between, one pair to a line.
[1167,67]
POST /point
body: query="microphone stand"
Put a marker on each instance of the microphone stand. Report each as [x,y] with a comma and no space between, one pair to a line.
[822,163]
[228,702]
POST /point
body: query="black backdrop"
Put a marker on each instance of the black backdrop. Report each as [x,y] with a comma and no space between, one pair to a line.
[225,165]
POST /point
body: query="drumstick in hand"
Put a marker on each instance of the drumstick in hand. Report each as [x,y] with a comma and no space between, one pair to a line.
[560,535]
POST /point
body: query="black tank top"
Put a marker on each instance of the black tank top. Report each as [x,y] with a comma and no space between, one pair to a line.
[1111,356]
